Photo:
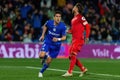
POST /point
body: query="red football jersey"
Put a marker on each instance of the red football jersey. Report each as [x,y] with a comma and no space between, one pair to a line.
[78,26]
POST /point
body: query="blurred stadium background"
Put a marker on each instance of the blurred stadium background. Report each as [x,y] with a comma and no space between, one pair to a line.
[21,26]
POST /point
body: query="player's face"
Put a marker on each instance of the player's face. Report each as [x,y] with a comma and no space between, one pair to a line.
[75,9]
[57,18]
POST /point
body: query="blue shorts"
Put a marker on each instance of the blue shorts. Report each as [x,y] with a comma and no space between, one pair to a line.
[51,50]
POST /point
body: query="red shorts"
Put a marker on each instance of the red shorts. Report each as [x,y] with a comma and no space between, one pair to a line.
[76,46]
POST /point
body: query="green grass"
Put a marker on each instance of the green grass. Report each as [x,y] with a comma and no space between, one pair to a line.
[99,69]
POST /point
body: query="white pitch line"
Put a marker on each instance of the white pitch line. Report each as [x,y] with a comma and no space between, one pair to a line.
[60,70]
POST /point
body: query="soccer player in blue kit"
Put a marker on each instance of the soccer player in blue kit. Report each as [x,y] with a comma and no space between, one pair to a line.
[54,32]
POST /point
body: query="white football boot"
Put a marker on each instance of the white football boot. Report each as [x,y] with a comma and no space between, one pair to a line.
[83,72]
[40,75]
[67,74]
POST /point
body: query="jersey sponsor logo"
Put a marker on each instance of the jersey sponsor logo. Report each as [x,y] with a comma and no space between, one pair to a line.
[52,33]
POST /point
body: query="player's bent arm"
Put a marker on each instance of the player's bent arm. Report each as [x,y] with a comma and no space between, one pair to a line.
[59,39]
[63,38]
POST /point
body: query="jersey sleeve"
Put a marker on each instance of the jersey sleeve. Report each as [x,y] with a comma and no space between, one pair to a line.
[83,20]
[46,23]
[86,25]
[64,30]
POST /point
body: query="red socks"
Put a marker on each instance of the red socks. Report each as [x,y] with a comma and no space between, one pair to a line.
[72,63]
[79,64]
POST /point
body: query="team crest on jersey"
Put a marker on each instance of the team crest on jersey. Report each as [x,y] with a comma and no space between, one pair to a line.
[54,29]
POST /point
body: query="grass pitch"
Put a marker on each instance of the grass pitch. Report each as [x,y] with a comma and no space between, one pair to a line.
[27,69]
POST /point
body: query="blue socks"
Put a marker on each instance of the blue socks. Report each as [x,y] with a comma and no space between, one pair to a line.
[45,66]
[45,57]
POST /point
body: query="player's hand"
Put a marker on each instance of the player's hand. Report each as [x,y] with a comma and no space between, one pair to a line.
[86,40]
[55,39]
[41,38]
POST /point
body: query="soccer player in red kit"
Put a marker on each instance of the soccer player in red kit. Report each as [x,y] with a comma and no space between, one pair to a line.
[79,25]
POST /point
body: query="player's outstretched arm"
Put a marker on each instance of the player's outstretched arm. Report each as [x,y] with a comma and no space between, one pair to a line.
[87,27]
[43,33]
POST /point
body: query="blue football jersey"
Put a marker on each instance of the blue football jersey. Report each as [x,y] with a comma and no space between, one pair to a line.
[54,31]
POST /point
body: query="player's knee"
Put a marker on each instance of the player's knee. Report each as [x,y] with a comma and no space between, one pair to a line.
[71,55]
[41,54]
[49,60]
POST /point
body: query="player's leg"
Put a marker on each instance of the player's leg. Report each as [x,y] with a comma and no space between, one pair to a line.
[53,52]
[74,50]
[43,56]
[82,68]
[72,59]
[43,60]
[43,53]
[79,64]
[72,62]
[45,66]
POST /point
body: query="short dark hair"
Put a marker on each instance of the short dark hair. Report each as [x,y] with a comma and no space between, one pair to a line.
[80,7]
[58,12]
